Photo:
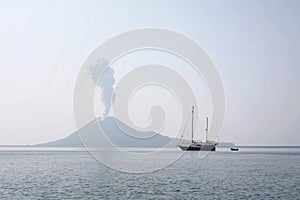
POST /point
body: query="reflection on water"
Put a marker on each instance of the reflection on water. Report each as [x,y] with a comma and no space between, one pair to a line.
[72,173]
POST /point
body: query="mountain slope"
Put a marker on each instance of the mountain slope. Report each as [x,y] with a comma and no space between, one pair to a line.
[90,133]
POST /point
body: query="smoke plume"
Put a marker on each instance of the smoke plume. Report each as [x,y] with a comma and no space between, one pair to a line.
[104,82]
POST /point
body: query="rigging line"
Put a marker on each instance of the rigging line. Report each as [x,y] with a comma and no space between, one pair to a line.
[185,125]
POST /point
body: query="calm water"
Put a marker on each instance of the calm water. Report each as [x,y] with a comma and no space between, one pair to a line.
[248,174]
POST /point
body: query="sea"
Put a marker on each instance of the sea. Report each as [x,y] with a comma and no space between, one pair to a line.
[69,173]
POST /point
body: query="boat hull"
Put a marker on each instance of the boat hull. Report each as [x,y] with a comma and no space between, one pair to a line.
[197,147]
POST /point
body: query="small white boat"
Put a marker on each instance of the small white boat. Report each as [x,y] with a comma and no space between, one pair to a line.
[234,149]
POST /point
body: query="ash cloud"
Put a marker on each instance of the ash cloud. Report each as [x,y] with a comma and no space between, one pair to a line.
[103,76]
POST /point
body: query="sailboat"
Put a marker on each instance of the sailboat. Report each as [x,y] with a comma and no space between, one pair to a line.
[198,145]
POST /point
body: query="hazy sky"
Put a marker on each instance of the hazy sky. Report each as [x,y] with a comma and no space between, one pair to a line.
[254,44]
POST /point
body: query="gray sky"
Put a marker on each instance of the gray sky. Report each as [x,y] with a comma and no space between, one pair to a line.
[254,44]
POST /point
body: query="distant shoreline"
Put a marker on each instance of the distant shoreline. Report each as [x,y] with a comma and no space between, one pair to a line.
[288,147]
[243,146]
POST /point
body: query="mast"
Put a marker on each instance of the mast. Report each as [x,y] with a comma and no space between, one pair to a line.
[192,124]
[206,130]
